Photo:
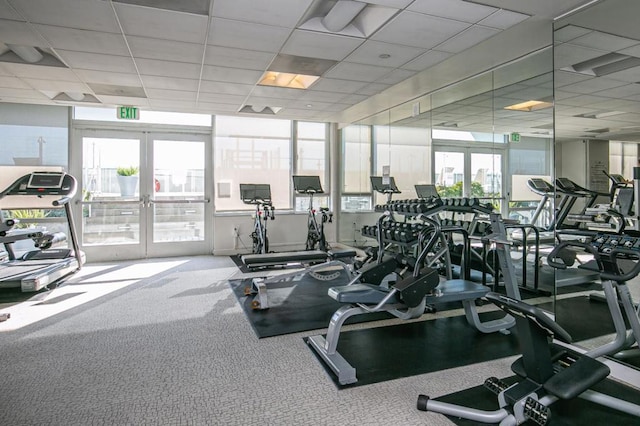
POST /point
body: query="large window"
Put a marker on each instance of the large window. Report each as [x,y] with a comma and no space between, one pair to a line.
[254,151]
[311,160]
[33,135]
[406,150]
[356,168]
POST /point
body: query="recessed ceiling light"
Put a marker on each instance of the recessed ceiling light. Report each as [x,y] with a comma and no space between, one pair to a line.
[309,105]
[284,79]
[529,106]
[384,56]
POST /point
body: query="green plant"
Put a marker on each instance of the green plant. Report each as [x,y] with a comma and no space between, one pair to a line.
[127,171]
[27,215]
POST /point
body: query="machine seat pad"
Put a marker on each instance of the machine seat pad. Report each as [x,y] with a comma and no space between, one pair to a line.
[359,293]
[456,291]
[341,254]
[284,257]
[577,378]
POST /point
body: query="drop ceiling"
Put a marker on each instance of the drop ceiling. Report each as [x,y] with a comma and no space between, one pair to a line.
[208,55]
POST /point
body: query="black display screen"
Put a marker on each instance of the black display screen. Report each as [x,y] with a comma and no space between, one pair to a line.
[259,191]
[306,184]
[46,180]
[377,185]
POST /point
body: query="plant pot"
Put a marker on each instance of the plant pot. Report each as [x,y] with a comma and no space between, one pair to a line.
[128,185]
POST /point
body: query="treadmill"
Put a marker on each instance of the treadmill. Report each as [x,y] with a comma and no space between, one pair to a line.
[42,266]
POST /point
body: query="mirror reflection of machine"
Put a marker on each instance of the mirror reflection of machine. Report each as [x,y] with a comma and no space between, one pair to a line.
[43,264]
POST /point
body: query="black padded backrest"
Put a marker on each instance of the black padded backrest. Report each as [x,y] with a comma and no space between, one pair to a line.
[535,315]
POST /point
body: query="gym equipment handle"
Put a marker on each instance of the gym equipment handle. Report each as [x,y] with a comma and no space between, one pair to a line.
[587,247]
[622,276]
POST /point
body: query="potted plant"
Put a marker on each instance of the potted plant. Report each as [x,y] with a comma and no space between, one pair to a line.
[128,180]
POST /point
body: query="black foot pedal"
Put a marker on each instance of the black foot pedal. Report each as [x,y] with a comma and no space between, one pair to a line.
[495,385]
[536,412]
[422,402]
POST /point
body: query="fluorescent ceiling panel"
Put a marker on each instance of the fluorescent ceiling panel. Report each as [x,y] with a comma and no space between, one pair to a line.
[453,9]
[283,79]
[200,7]
[162,24]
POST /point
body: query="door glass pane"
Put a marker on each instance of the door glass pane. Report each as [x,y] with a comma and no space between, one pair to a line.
[178,176]
[105,220]
[449,173]
[486,177]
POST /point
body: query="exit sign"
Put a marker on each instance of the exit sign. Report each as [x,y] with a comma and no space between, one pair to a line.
[514,137]
[128,113]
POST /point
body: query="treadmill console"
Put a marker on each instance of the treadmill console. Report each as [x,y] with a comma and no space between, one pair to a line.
[604,243]
[539,186]
[42,183]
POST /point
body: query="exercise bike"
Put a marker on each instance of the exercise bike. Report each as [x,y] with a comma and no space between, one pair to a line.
[310,185]
[260,196]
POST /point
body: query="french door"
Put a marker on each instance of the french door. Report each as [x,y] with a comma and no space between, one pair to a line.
[144,194]
[469,172]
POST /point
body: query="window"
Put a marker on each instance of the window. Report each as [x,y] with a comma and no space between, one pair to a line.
[252,150]
[33,135]
[407,151]
[356,168]
[147,117]
[311,160]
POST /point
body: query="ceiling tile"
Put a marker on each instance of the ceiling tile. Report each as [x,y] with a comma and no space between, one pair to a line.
[357,72]
[319,45]
[396,76]
[503,19]
[168,68]
[418,30]
[8,12]
[244,35]
[171,94]
[398,4]
[338,86]
[14,32]
[281,13]
[40,72]
[171,104]
[104,77]
[568,33]
[162,24]
[234,75]
[221,98]
[372,89]
[150,48]
[57,85]
[13,83]
[84,40]
[566,55]
[453,9]
[315,95]
[237,58]
[225,88]
[80,14]
[97,61]
[369,53]
[353,99]
[464,40]
[602,41]
[427,60]
[123,100]
[6,94]
[169,83]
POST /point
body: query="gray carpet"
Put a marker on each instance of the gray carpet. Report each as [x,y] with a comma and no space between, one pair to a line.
[175,348]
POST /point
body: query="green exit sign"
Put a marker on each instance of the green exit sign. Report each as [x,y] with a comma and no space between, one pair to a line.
[514,137]
[128,113]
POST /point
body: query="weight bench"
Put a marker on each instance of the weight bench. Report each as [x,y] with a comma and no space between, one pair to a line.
[308,257]
[366,298]
[320,260]
[405,299]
